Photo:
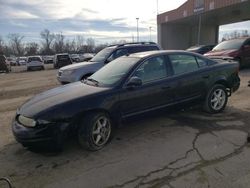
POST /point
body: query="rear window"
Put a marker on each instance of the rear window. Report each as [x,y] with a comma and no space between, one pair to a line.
[137,49]
[63,57]
[34,59]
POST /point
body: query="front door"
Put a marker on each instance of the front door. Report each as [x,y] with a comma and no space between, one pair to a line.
[154,92]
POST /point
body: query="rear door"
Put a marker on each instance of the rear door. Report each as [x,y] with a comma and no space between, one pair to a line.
[191,75]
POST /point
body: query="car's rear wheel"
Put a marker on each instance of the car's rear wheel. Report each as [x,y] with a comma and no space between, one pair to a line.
[216,99]
[95,131]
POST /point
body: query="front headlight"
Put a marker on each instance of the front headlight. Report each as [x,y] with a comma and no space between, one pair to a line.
[28,122]
[68,72]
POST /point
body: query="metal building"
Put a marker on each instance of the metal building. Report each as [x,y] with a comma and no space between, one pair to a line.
[198,21]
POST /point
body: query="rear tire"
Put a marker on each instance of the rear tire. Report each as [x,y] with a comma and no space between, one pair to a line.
[216,99]
[95,131]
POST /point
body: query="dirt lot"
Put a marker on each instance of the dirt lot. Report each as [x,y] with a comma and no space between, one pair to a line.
[173,150]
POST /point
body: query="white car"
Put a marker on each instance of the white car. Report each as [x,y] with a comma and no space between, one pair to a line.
[34,63]
[21,60]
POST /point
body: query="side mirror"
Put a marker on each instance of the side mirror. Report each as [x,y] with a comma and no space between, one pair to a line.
[134,82]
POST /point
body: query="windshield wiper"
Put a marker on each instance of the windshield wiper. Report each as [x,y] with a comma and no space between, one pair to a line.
[93,80]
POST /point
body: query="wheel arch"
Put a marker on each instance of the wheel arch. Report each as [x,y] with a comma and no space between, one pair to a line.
[79,117]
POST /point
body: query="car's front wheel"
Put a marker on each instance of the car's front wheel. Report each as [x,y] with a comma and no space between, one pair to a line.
[216,99]
[95,131]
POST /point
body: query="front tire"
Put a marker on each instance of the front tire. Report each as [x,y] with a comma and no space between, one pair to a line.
[95,131]
[216,99]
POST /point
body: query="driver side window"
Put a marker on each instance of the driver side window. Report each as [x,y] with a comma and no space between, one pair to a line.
[152,69]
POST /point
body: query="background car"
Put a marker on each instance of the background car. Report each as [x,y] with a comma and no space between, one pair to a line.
[35,63]
[4,64]
[80,71]
[21,61]
[86,56]
[75,58]
[201,49]
[126,87]
[12,61]
[48,59]
[61,60]
[239,49]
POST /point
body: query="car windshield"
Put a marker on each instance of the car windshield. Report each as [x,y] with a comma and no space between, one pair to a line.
[102,55]
[112,73]
[229,45]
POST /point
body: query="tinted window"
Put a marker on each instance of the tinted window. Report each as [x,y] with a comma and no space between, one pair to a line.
[247,43]
[152,69]
[63,57]
[183,63]
[137,49]
[34,59]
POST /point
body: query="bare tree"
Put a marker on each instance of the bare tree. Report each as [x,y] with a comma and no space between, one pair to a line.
[59,43]
[16,43]
[90,45]
[79,43]
[70,46]
[48,38]
[235,34]
[100,47]
[1,45]
[31,48]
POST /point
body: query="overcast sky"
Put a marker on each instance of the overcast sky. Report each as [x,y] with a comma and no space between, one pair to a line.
[103,20]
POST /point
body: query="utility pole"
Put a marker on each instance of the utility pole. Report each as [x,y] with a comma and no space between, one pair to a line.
[199,30]
[150,39]
[137,20]
[157,7]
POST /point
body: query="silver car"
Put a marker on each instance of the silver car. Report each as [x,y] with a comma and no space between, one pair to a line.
[34,63]
[80,71]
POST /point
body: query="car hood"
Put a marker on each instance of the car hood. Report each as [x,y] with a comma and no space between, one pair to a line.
[220,52]
[56,97]
[79,65]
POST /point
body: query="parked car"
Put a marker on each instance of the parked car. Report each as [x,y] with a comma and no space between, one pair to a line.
[21,61]
[12,61]
[86,56]
[201,49]
[48,59]
[239,49]
[4,64]
[128,86]
[80,71]
[35,63]
[75,58]
[61,60]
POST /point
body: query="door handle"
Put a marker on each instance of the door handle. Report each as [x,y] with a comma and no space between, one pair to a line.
[205,76]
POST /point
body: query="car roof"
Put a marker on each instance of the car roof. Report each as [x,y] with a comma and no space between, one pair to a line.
[134,44]
[159,52]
